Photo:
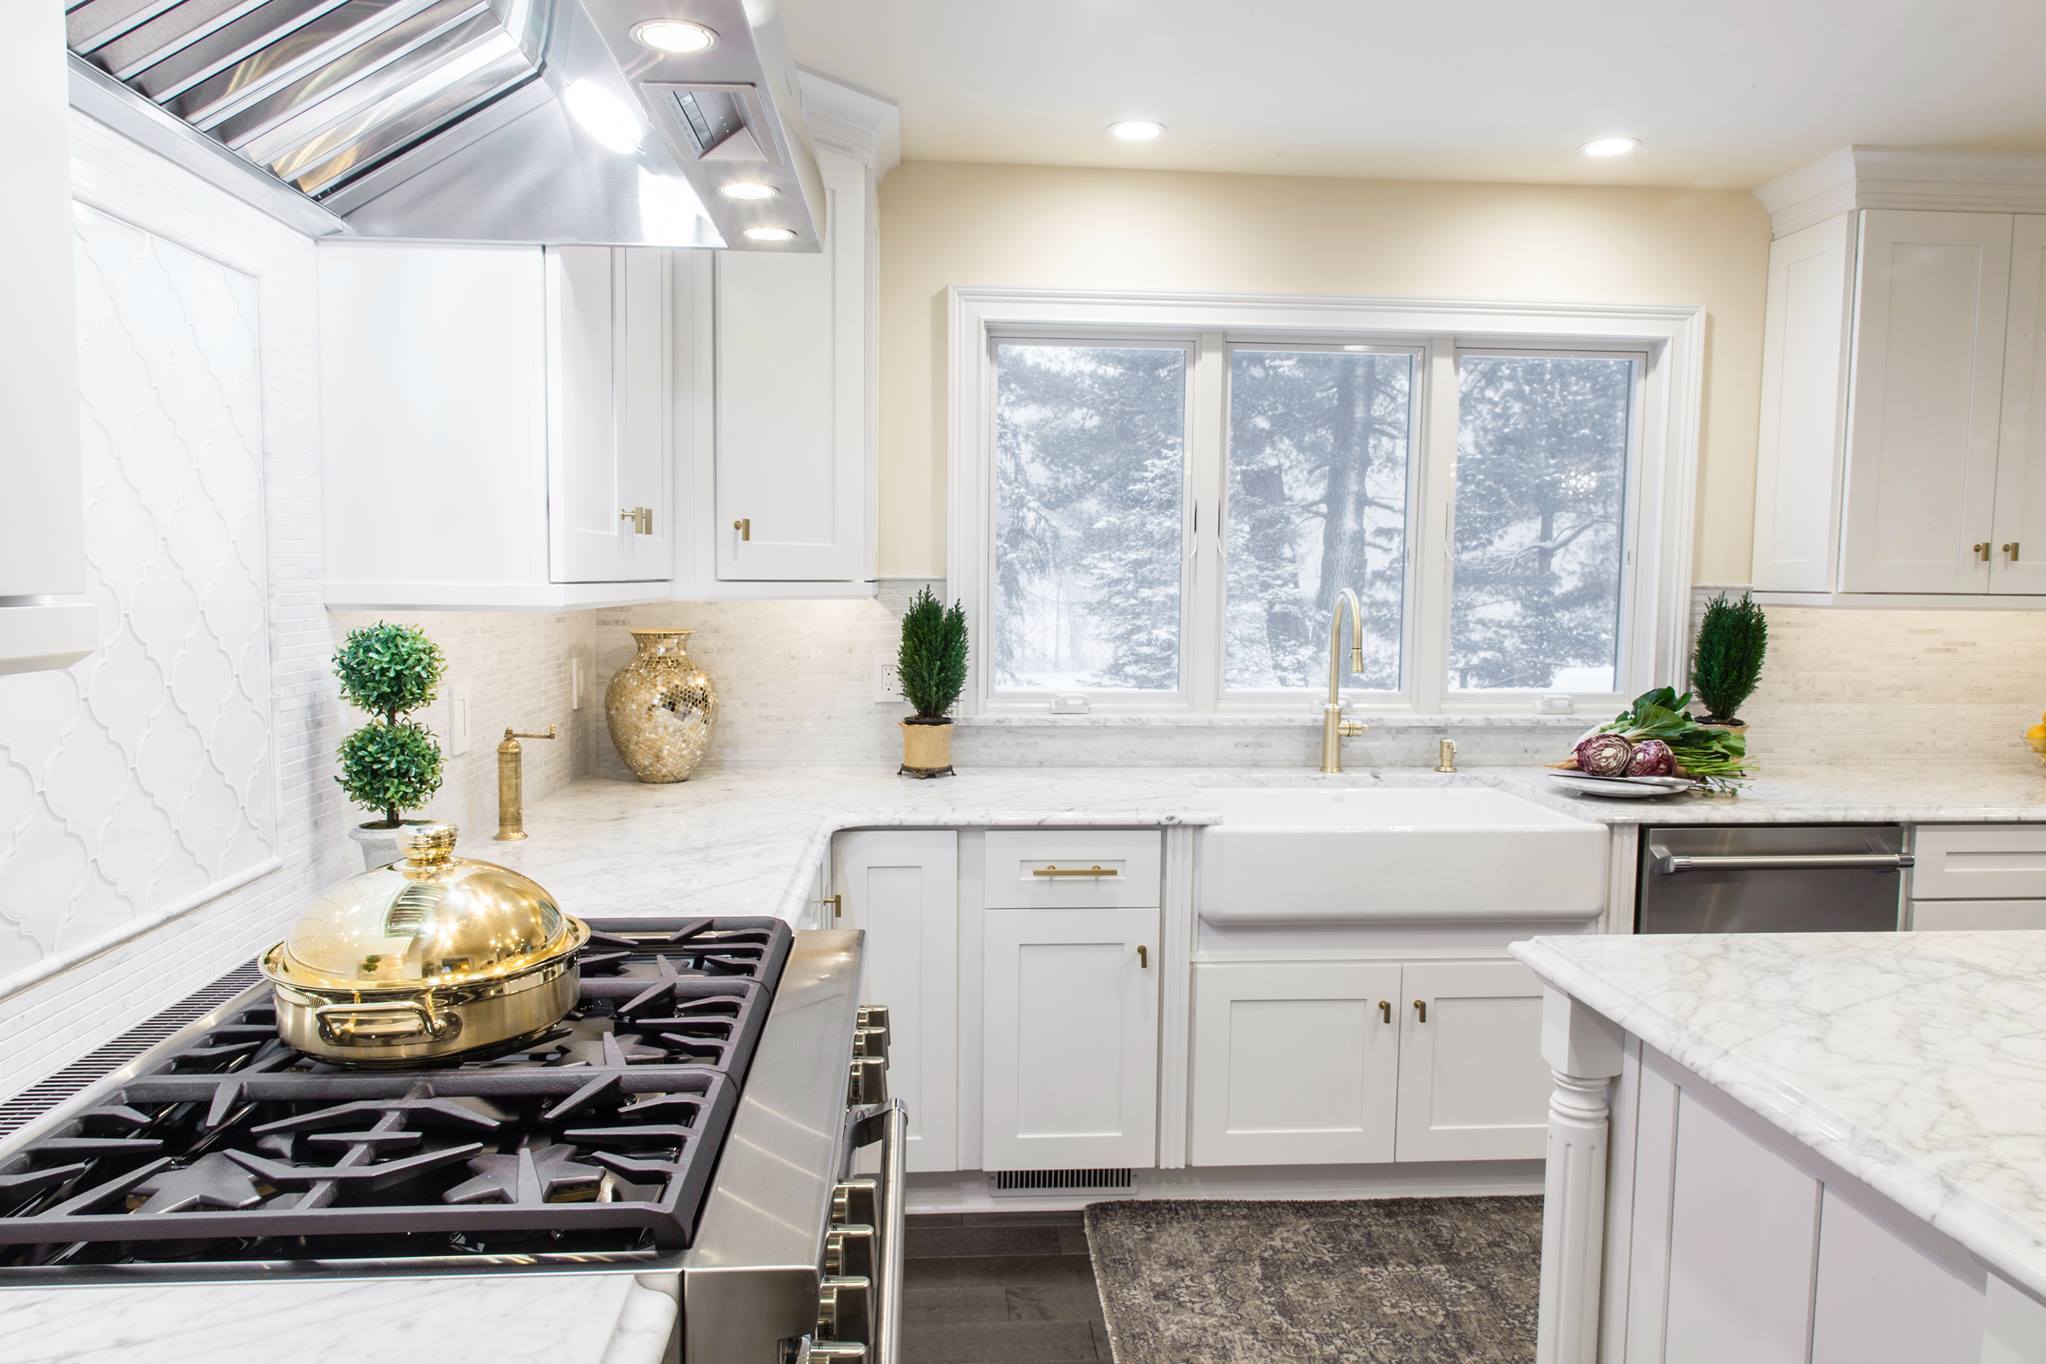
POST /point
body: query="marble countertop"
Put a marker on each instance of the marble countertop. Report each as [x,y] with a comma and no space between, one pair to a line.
[745,841]
[1915,1062]
[607,1319]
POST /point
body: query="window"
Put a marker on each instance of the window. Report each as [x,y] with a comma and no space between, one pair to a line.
[1157,501]
[1090,479]
[1542,449]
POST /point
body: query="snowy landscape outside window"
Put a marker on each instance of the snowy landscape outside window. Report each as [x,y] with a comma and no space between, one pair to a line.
[1320,459]
[1090,485]
[1158,517]
[1541,475]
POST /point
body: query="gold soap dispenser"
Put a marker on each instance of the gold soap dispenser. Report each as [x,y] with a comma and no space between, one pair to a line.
[511,797]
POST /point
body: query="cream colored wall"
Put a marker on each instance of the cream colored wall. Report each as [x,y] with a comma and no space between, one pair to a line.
[944,224]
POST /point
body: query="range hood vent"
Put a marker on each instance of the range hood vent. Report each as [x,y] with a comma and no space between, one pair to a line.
[478,120]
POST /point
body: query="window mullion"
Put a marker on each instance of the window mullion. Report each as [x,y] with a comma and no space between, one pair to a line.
[1433,535]
[1207,441]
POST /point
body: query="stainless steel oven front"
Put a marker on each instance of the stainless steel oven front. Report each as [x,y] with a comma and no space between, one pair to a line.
[1818,878]
[798,1254]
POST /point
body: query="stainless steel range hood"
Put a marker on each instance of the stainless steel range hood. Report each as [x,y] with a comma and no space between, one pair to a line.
[544,121]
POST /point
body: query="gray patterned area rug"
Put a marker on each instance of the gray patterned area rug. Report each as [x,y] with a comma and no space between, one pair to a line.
[1392,1281]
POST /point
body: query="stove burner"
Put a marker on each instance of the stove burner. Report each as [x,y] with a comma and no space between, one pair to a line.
[595,1137]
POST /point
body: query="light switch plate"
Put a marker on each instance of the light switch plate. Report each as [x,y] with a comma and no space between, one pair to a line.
[575,681]
[458,721]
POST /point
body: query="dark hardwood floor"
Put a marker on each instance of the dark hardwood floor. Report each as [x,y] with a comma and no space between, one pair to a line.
[999,1288]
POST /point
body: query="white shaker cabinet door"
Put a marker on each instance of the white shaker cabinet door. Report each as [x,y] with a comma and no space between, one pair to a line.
[793,398]
[1923,413]
[901,886]
[607,415]
[1294,1063]
[1473,1085]
[1070,1071]
[2018,563]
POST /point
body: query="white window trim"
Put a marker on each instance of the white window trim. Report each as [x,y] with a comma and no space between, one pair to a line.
[1661,505]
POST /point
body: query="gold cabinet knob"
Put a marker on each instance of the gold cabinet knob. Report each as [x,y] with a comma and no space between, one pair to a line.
[1982,551]
[1143,956]
[1420,1011]
[1385,1011]
[744,525]
[2010,551]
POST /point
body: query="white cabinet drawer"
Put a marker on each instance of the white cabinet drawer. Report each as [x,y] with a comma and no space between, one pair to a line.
[1073,868]
[1980,862]
[1939,916]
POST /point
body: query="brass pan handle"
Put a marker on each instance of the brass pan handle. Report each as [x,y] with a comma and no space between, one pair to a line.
[1096,870]
[350,1025]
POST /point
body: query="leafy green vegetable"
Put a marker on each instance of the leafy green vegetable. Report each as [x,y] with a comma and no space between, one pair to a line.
[1714,757]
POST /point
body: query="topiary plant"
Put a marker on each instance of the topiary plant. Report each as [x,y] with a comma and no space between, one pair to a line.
[932,660]
[391,764]
[1726,665]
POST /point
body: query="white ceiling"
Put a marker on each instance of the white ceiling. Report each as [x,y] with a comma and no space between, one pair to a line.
[1721,92]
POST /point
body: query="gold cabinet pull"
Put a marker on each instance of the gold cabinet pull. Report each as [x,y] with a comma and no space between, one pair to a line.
[744,525]
[1096,870]
[2010,551]
[1982,551]
[1143,956]
[642,519]
[1385,1011]
[837,903]
[1421,1010]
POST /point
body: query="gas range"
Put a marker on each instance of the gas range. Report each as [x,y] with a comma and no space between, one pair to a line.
[698,1114]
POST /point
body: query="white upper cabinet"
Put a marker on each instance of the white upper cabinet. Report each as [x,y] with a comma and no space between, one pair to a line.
[1922,416]
[794,462]
[2018,563]
[1902,378]
[495,420]
[608,466]
[42,519]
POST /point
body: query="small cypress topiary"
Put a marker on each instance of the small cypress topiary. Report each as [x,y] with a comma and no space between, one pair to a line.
[1726,665]
[391,764]
[932,661]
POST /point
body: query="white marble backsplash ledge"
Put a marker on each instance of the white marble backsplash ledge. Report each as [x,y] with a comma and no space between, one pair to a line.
[1909,1060]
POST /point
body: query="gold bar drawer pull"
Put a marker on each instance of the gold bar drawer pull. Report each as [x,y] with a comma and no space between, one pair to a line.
[1095,870]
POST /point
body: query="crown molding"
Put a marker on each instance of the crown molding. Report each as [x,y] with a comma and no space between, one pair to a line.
[850,120]
[1893,177]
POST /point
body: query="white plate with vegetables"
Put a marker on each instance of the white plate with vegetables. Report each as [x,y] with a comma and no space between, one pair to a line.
[1655,747]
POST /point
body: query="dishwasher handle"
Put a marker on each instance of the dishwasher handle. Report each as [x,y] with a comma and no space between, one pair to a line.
[1669,864]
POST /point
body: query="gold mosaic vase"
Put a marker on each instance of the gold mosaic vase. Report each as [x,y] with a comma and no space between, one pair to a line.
[661,708]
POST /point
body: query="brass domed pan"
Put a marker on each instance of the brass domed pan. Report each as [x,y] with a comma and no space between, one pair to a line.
[428,958]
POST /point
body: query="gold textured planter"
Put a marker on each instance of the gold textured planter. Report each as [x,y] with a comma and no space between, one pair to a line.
[926,748]
[661,708]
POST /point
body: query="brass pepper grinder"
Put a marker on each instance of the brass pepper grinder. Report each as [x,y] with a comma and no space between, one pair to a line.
[511,774]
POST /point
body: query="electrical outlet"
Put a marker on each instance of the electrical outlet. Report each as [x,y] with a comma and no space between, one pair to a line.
[887,687]
[458,721]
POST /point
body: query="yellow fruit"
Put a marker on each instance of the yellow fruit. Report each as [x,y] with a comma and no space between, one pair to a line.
[2037,731]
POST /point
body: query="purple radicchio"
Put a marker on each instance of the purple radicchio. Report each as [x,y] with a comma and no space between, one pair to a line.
[1604,755]
[1651,758]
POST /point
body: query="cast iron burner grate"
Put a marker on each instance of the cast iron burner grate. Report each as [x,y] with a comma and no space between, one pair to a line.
[598,1135]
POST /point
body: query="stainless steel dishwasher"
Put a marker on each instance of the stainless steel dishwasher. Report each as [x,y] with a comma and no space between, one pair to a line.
[1761,878]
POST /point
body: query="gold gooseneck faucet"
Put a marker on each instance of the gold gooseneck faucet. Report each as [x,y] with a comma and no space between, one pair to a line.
[1334,728]
[511,795]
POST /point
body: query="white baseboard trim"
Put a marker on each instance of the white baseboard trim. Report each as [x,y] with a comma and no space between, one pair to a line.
[967,1190]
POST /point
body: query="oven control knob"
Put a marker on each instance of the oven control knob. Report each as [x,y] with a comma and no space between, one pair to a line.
[856,1200]
[870,1042]
[845,1307]
[849,1249]
[872,1016]
[868,1081]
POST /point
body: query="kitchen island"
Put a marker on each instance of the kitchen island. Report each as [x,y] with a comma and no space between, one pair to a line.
[1795,1147]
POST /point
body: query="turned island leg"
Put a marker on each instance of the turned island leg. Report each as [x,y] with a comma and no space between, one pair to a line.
[1583,1051]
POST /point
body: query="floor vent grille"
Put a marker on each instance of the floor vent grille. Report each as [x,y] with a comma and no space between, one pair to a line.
[1059,1181]
[44,1095]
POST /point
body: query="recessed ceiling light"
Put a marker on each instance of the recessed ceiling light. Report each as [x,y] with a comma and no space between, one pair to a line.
[604,116]
[673,36]
[1610,146]
[1137,130]
[770,234]
[747,189]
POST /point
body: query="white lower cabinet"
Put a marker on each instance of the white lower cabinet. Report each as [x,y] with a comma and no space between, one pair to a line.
[1473,1085]
[1070,1052]
[1363,1062]
[901,886]
[1296,1063]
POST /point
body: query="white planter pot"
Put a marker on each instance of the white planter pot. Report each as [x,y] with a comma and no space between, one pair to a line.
[380,847]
